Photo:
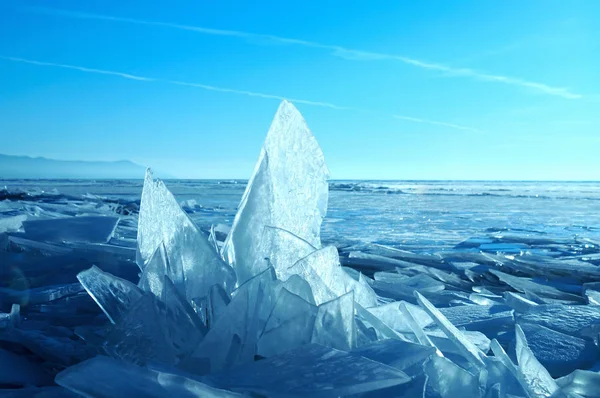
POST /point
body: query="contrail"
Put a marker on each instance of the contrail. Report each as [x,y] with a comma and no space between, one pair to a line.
[224,90]
[338,51]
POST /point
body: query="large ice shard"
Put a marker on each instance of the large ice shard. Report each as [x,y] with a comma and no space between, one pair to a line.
[161,221]
[283,249]
[288,190]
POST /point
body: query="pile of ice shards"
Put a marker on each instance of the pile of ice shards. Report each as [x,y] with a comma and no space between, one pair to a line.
[270,311]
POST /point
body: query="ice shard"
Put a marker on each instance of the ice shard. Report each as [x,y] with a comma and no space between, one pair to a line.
[283,249]
[584,383]
[311,370]
[391,315]
[240,325]
[288,190]
[154,272]
[289,326]
[140,336]
[334,324]
[188,251]
[115,296]
[420,335]
[467,348]
[538,381]
[328,280]
[448,380]
[402,355]
[104,377]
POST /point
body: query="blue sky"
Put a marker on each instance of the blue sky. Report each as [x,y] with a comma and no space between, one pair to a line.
[392,90]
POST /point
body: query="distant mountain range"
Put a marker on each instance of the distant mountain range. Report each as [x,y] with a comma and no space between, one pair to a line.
[39,167]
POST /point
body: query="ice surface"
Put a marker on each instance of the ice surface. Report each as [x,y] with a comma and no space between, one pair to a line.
[311,370]
[161,221]
[89,229]
[287,190]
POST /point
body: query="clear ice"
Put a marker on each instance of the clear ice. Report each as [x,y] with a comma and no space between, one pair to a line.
[287,190]
[120,298]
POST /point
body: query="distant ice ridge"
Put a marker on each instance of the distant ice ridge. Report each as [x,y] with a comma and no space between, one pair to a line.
[270,312]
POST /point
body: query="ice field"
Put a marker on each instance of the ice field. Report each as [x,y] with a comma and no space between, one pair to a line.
[292,285]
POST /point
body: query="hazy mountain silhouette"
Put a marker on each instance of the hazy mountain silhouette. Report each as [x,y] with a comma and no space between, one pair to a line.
[39,167]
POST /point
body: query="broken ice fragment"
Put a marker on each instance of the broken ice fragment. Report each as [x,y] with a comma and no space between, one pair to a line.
[104,377]
[538,381]
[153,274]
[90,229]
[584,383]
[114,295]
[559,353]
[140,335]
[245,316]
[11,224]
[288,190]
[289,326]
[593,297]
[391,315]
[334,324]
[283,249]
[327,279]
[311,370]
[422,338]
[188,251]
[448,380]
[467,348]
[11,319]
[398,354]
[525,285]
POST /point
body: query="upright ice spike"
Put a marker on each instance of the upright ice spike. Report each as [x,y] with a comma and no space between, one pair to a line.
[188,251]
[288,190]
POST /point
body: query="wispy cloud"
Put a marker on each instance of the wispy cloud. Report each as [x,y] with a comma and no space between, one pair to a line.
[224,90]
[339,51]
